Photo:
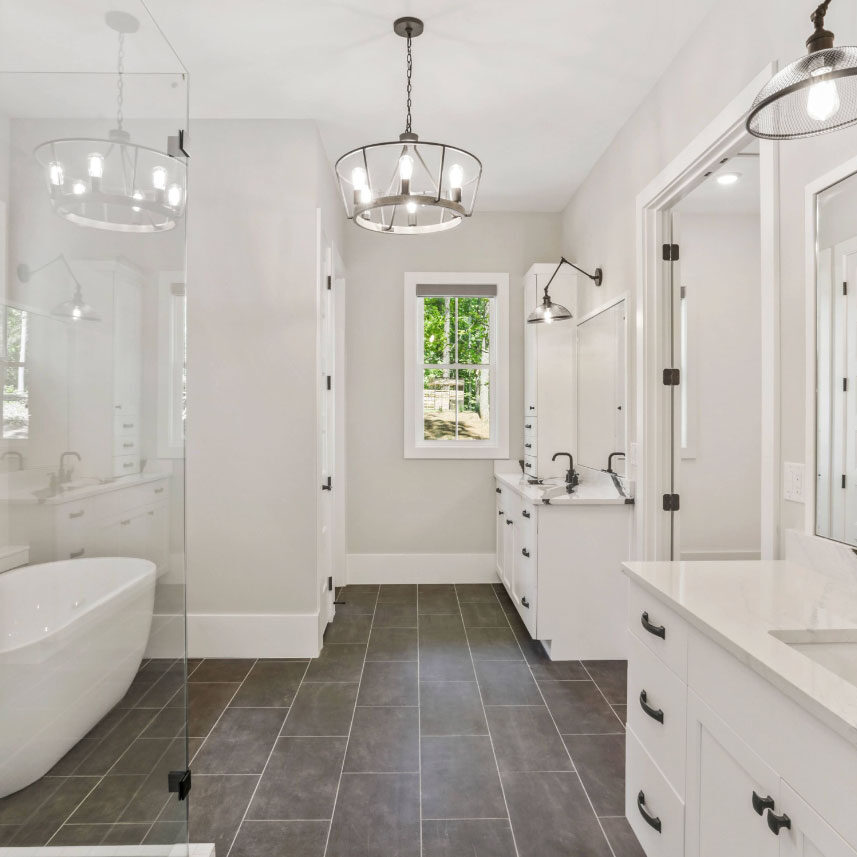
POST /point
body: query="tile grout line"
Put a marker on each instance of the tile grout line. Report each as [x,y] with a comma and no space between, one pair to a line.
[604,695]
[270,752]
[351,724]
[553,720]
[419,723]
[485,715]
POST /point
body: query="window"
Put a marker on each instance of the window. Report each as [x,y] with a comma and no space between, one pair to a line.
[172,365]
[16,407]
[456,365]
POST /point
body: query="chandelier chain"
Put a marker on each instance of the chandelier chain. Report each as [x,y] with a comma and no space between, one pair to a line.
[409,73]
[120,84]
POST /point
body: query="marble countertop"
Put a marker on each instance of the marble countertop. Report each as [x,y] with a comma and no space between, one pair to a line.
[596,488]
[744,605]
[76,490]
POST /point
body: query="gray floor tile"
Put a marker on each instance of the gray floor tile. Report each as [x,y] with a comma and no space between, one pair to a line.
[165,833]
[222,669]
[355,601]
[168,723]
[549,670]
[482,838]
[479,615]
[133,834]
[50,803]
[551,816]
[241,741]
[218,805]
[377,815]
[451,708]
[384,740]
[525,739]
[205,704]
[349,629]
[436,598]
[337,663]
[579,708]
[392,644]
[105,803]
[389,683]
[300,779]
[622,838]
[396,616]
[507,683]
[493,644]
[109,749]
[69,763]
[621,712]
[459,779]
[441,626]
[600,761]
[398,593]
[270,684]
[612,679]
[163,690]
[141,756]
[281,839]
[82,834]
[476,592]
[322,709]
[19,806]
[445,660]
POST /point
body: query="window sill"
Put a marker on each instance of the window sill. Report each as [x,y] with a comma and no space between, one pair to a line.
[454,450]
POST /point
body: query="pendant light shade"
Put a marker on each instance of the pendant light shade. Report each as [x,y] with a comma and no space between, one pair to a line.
[548,312]
[76,309]
[408,186]
[813,95]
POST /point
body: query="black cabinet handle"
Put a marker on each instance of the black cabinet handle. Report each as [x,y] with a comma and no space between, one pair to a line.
[654,713]
[526,514]
[528,466]
[525,552]
[652,820]
[498,490]
[528,446]
[760,804]
[501,513]
[532,407]
[657,630]
[778,822]
[524,601]
[508,521]
[528,425]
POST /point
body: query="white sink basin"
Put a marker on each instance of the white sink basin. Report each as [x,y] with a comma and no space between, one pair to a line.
[835,650]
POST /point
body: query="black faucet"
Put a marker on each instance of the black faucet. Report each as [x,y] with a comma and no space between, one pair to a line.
[610,460]
[571,477]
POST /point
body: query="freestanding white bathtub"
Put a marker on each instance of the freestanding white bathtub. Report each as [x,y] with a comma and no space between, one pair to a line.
[72,636]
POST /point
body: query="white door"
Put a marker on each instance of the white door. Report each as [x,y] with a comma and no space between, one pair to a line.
[808,834]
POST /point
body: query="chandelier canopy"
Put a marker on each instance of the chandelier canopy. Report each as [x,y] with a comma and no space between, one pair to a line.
[408,186]
[114,183]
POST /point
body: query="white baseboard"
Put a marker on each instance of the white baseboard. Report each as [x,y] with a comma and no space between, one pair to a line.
[422,568]
[252,635]
[713,555]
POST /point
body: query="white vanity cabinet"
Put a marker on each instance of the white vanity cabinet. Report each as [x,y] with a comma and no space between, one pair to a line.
[549,374]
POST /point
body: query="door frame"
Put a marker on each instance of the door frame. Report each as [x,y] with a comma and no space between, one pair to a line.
[724,137]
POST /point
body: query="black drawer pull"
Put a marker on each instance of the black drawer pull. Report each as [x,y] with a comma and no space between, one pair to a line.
[508,521]
[528,446]
[498,490]
[528,425]
[760,804]
[657,630]
[524,601]
[532,407]
[778,822]
[528,466]
[652,820]
[654,713]
[501,513]
[525,552]
[526,514]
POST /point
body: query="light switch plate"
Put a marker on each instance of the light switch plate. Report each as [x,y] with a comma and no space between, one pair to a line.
[793,477]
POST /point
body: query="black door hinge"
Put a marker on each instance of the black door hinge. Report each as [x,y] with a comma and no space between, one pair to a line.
[329,282]
[844,385]
[670,252]
[843,480]
[328,486]
[671,502]
[845,287]
[329,381]
[672,377]
[179,782]
[330,584]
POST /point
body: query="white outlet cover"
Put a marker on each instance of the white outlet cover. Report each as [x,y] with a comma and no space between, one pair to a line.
[793,481]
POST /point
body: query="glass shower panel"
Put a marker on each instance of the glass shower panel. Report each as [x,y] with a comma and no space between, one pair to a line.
[93,714]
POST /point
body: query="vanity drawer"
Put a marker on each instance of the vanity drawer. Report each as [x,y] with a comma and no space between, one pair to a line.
[654,810]
[530,466]
[525,585]
[133,497]
[125,425]
[126,445]
[657,711]
[73,526]
[125,465]
[659,628]
[530,436]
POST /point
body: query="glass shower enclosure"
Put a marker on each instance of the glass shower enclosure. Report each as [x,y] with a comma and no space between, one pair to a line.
[93,189]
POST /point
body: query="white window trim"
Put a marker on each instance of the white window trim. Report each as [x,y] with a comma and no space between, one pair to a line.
[414,444]
[170,344]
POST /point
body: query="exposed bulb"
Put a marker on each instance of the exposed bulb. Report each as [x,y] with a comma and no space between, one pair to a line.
[136,195]
[95,165]
[174,196]
[548,315]
[78,188]
[358,178]
[159,178]
[822,102]
[406,167]
[456,176]
[77,312]
[411,207]
[365,195]
[56,174]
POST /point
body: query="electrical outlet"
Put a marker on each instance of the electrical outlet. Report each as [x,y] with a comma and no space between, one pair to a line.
[793,481]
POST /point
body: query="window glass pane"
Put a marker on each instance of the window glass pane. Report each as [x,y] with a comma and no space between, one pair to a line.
[16,409]
[474,404]
[474,329]
[439,404]
[15,333]
[438,329]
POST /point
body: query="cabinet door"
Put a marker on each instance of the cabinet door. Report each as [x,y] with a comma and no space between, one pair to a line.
[809,835]
[524,589]
[530,349]
[511,502]
[158,535]
[723,774]
[500,544]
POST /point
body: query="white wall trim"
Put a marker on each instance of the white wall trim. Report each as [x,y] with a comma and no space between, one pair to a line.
[713,555]
[422,568]
[252,635]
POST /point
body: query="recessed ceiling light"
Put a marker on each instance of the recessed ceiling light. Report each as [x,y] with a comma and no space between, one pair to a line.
[728,178]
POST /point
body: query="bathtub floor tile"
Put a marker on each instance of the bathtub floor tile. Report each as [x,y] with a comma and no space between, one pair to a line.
[219,803]
[270,684]
[108,751]
[70,762]
[222,669]
[241,742]
[51,815]
[105,803]
[18,807]
[206,702]
[141,756]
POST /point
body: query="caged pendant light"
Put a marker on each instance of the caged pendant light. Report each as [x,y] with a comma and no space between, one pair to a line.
[408,186]
[113,183]
[814,94]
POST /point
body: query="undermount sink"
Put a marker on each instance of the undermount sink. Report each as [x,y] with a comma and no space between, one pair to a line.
[835,650]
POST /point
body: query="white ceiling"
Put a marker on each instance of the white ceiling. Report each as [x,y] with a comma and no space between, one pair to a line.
[739,198]
[536,90]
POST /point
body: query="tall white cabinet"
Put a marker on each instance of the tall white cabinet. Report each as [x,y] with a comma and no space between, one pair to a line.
[550,400]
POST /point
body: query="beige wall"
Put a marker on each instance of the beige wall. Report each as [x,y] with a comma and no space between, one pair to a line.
[423,506]
[731,47]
